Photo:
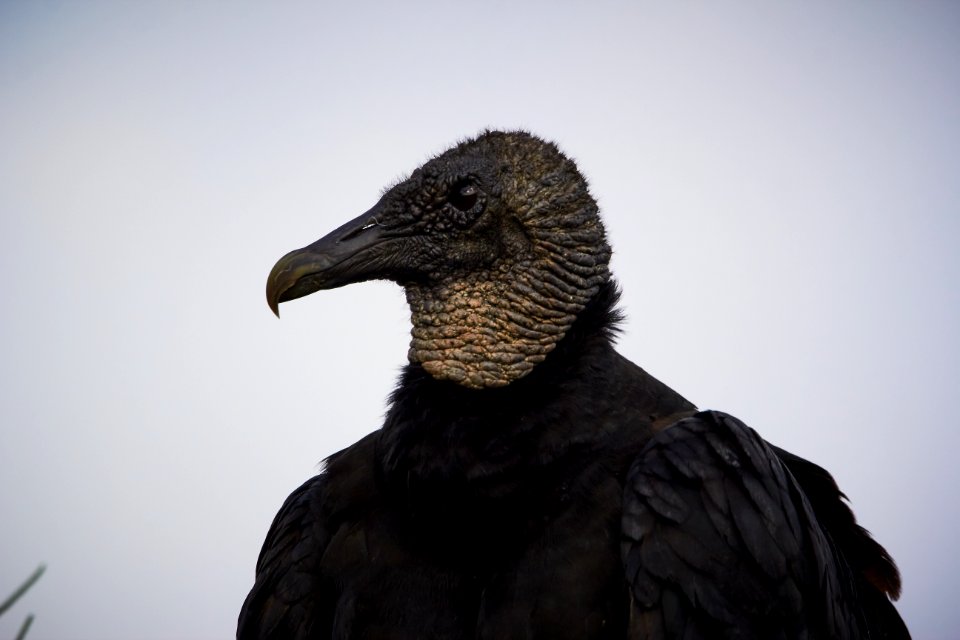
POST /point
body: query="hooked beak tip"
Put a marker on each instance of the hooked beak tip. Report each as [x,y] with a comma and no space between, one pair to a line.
[277,285]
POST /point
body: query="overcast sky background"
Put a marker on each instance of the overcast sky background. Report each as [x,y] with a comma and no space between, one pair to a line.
[780,182]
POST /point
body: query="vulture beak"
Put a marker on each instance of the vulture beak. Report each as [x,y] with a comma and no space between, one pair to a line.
[339,258]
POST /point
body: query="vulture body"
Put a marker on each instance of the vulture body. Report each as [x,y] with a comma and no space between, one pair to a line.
[529,481]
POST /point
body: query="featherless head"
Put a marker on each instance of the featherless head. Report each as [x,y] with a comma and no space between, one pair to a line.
[498,244]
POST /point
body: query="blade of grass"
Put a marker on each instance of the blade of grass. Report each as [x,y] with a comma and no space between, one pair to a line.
[25,627]
[22,589]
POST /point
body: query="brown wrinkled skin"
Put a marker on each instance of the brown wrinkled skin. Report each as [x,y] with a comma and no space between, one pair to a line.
[488,328]
[482,333]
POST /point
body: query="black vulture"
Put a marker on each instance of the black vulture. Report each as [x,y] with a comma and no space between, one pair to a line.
[528,480]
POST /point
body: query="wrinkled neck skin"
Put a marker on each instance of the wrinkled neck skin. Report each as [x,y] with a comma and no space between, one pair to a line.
[485,328]
[485,331]
[489,328]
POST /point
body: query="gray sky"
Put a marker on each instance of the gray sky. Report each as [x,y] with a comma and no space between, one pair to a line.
[779,181]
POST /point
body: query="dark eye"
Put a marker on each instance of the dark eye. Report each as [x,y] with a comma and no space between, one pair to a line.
[463,195]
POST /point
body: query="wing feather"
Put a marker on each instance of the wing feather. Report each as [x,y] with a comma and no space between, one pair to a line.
[288,596]
[720,542]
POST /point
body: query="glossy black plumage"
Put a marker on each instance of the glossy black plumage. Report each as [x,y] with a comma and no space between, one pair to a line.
[497,514]
[574,497]
[722,540]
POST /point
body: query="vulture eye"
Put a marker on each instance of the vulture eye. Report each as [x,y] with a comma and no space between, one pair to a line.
[463,195]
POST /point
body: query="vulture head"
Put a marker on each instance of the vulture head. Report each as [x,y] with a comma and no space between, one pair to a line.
[497,243]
